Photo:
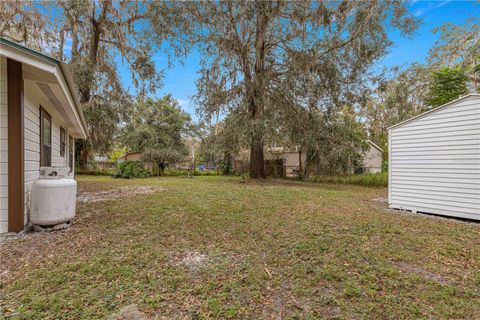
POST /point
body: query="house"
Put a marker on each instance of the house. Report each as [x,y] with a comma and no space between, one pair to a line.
[135,156]
[130,156]
[372,159]
[274,161]
[292,160]
[40,118]
[434,161]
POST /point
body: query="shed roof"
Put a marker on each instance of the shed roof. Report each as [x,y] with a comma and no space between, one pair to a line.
[471,95]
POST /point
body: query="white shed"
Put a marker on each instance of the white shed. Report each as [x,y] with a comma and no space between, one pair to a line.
[434,161]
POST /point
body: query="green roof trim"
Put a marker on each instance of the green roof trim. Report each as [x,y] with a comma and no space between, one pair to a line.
[28,50]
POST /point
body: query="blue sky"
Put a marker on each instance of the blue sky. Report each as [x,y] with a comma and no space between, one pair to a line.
[180,79]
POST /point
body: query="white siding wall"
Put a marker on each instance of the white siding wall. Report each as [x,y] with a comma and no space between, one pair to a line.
[434,162]
[32,100]
[3,147]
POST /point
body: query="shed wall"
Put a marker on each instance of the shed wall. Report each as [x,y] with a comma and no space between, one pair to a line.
[434,162]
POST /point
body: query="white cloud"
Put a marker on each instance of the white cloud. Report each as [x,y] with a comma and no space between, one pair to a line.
[443,3]
[422,11]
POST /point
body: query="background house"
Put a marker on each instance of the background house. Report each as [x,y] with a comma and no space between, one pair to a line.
[40,119]
[434,161]
[135,156]
[130,156]
[372,159]
[286,162]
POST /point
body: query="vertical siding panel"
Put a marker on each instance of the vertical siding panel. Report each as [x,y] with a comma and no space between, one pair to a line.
[32,139]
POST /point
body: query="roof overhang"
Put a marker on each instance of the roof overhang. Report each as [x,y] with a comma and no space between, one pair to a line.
[471,95]
[53,77]
[370,142]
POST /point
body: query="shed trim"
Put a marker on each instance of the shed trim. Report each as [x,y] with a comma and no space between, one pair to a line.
[16,172]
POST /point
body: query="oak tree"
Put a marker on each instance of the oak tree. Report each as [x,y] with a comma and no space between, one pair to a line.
[264,58]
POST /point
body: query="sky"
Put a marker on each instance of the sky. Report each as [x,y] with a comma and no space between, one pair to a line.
[179,80]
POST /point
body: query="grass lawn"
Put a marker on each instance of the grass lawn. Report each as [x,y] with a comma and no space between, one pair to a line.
[215,248]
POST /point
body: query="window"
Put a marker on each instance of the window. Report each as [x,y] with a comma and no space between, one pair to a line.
[45,138]
[70,153]
[62,142]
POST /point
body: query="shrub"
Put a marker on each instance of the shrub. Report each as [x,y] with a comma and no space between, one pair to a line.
[131,169]
[385,166]
[368,179]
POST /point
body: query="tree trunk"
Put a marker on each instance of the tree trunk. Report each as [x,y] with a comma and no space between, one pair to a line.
[257,164]
[300,164]
[86,90]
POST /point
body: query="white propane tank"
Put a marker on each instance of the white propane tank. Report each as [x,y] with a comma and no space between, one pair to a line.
[53,197]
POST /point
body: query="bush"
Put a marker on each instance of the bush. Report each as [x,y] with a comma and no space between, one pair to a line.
[385,166]
[368,179]
[131,169]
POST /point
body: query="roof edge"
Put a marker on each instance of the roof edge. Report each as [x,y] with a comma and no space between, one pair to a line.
[71,87]
[374,145]
[17,46]
[434,109]
[65,74]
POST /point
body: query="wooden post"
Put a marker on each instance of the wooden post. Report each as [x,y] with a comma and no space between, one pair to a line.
[16,184]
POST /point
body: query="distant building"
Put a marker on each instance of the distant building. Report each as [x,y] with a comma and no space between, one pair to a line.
[372,159]
[292,162]
[135,156]
[130,156]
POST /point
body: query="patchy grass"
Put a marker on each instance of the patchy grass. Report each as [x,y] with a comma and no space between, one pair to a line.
[214,248]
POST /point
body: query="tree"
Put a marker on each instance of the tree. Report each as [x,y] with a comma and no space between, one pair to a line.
[459,46]
[158,128]
[447,84]
[394,99]
[261,58]
[19,22]
[224,141]
[93,37]
[117,153]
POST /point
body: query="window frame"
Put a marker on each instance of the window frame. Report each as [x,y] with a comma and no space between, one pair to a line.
[45,115]
[71,143]
[63,144]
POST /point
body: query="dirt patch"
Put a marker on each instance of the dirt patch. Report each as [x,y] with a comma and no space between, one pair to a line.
[194,260]
[104,195]
[428,275]
[129,312]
